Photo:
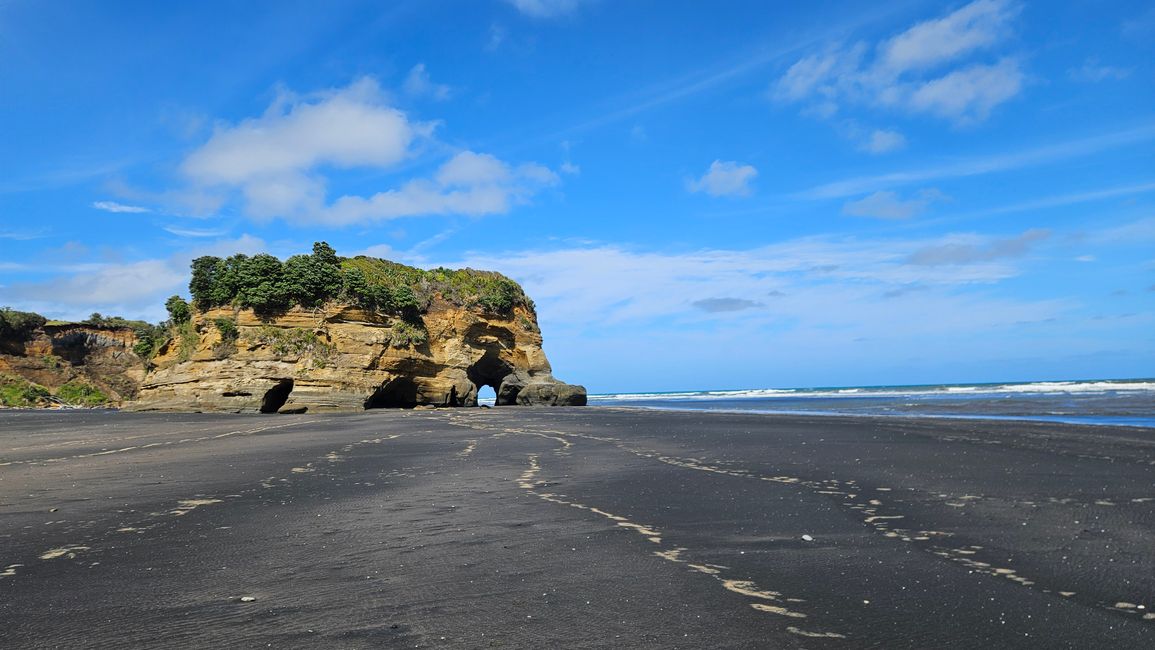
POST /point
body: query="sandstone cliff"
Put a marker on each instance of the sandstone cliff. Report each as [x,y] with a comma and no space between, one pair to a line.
[342,357]
[313,333]
[74,356]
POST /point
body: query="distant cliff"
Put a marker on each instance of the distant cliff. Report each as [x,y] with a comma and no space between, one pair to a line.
[79,364]
[319,333]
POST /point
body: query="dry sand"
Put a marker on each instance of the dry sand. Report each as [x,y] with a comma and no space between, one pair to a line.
[578,528]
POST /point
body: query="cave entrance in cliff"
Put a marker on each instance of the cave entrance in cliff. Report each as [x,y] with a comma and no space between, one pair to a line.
[400,393]
[276,396]
[487,373]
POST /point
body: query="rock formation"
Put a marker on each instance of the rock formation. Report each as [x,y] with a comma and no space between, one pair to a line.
[342,357]
[75,354]
[314,333]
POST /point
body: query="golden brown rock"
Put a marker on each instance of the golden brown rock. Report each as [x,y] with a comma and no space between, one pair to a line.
[54,355]
[340,357]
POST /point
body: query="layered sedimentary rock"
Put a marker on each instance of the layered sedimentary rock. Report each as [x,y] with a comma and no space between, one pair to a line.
[342,357]
[55,355]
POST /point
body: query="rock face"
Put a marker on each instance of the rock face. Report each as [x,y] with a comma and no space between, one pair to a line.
[54,355]
[340,357]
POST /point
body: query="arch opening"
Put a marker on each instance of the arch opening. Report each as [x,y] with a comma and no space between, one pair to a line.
[486,395]
[400,393]
[487,374]
[276,396]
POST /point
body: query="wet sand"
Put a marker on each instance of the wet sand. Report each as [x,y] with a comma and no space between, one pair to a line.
[577,528]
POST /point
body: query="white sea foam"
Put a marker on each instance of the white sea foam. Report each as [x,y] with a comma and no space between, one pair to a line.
[961,390]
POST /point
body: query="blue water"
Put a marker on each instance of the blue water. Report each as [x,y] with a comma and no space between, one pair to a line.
[1129,402]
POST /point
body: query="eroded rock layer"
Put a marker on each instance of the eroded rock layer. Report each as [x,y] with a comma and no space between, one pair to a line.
[55,355]
[341,357]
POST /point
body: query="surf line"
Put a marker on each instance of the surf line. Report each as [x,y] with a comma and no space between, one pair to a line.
[771,602]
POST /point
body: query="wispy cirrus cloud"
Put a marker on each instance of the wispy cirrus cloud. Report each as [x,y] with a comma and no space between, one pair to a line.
[1092,71]
[113,206]
[889,205]
[721,305]
[195,232]
[969,249]
[545,8]
[418,84]
[935,67]
[980,165]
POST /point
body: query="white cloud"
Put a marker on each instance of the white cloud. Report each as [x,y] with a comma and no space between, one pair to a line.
[279,164]
[180,231]
[819,297]
[975,26]
[883,141]
[129,289]
[608,284]
[968,94]
[418,84]
[545,8]
[113,206]
[346,128]
[888,205]
[912,71]
[724,179]
[468,184]
[1092,71]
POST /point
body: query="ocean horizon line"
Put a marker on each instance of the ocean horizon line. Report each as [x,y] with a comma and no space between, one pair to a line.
[1119,383]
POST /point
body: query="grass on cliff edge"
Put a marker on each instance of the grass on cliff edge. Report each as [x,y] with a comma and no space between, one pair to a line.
[489,291]
[17,392]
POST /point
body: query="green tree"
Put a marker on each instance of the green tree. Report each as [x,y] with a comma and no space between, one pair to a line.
[178,310]
[325,253]
[203,285]
[229,279]
[262,284]
[310,281]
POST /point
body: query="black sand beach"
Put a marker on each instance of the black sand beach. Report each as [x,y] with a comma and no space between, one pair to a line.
[576,528]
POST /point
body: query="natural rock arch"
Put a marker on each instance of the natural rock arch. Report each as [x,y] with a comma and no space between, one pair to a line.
[400,392]
[490,371]
[276,396]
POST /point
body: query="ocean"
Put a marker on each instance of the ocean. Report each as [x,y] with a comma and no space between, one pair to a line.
[1129,402]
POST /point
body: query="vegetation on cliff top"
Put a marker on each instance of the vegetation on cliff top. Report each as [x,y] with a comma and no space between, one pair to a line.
[19,324]
[18,392]
[268,285]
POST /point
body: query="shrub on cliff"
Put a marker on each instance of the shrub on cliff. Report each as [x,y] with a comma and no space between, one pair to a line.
[178,310]
[265,284]
[19,324]
[78,393]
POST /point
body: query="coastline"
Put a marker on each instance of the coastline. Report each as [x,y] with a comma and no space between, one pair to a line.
[577,527]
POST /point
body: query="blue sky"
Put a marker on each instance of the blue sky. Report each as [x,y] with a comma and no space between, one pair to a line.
[697,195]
